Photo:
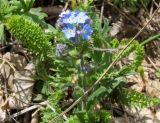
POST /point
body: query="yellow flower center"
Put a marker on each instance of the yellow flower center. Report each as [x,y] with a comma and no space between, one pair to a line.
[70,31]
[69,20]
[80,18]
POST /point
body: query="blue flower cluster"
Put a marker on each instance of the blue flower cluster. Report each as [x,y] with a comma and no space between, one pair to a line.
[75,25]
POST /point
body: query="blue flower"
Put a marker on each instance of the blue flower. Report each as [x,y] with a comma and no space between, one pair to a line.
[86,32]
[69,19]
[69,31]
[64,13]
[81,17]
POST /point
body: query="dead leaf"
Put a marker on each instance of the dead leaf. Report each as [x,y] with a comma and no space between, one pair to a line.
[5,105]
[19,82]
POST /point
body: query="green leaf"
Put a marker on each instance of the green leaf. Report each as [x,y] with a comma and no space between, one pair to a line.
[73,119]
[111,85]
[29,3]
[74,53]
[136,99]
[92,116]
[1,32]
[17,7]
[38,12]
[106,59]
[158,73]
[104,91]
[23,4]
[87,2]
[115,43]
[97,92]
[78,91]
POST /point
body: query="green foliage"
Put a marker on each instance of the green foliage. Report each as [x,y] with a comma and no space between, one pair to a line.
[102,92]
[48,113]
[138,51]
[101,41]
[21,6]
[96,93]
[24,7]
[30,34]
[84,5]
[74,119]
[91,117]
[130,49]
[37,15]
[1,32]
[136,99]
[158,73]
[4,9]
[139,55]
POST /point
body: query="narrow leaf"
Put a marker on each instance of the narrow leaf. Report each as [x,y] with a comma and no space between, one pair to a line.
[97,92]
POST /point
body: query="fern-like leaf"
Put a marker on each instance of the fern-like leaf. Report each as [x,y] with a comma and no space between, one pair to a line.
[139,55]
[136,99]
[130,49]
[30,34]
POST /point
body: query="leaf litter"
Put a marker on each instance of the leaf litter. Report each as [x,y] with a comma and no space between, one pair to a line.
[17,82]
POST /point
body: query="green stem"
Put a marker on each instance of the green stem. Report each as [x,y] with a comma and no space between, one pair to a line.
[83,80]
[150,39]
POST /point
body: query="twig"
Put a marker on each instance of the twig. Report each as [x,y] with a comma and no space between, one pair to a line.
[8,63]
[35,116]
[154,66]
[25,110]
[18,85]
[105,72]
[2,64]
[151,8]
[29,109]
[12,117]
[64,116]
[16,98]
[155,3]
[66,5]
[102,9]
